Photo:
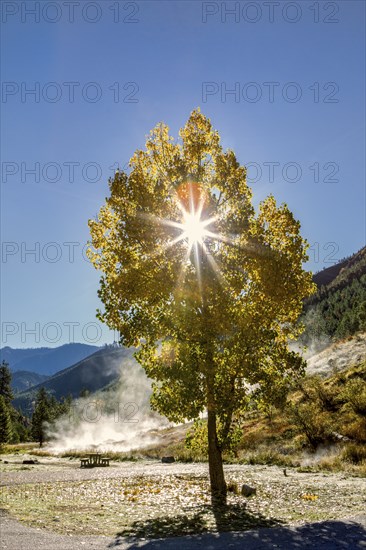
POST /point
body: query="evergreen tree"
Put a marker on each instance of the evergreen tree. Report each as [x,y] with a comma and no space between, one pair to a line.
[5,421]
[20,426]
[64,406]
[42,413]
[5,382]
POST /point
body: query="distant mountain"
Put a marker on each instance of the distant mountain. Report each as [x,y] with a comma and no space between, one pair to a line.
[325,276]
[92,373]
[23,380]
[349,268]
[46,361]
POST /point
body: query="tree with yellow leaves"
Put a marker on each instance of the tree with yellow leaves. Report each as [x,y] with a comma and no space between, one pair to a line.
[208,290]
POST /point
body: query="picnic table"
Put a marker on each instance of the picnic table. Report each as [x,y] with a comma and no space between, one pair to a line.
[93,460]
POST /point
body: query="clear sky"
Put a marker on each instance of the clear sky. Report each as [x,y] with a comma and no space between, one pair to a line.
[104,73]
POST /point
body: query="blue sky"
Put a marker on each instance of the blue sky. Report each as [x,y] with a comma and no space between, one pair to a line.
[296,113]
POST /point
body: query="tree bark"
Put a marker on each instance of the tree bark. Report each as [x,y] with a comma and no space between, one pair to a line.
[217,478]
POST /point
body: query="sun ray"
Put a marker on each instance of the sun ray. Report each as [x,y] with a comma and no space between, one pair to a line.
[194,229]
[213,264]
[198,267]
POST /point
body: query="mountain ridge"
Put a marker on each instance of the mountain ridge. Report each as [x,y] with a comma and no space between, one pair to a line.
[92,373]
[329,275]
[45,361]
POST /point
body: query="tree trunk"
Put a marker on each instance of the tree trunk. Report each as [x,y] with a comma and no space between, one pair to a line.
[217,479]
[216,470]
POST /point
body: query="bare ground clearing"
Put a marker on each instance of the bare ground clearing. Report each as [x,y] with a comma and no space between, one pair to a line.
[149,499]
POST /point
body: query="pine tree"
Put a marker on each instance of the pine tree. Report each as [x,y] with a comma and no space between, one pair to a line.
[5,422]
[5,382]
[41,415]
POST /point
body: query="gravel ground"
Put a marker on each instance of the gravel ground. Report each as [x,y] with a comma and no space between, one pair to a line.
[133,503]
[56,469]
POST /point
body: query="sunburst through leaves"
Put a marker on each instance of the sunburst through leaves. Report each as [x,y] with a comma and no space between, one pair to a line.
[195,228]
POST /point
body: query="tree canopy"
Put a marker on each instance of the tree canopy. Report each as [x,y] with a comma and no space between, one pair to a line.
[205,287]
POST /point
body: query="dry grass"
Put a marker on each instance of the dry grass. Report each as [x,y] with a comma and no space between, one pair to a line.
[19,448]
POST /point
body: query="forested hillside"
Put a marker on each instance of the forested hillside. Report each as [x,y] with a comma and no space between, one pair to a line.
[22,380]
[338,309]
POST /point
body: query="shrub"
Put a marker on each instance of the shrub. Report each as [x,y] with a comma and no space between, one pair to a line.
[313,423]
[326,395]
[354,395]
[268,457]
[354,453]
[356,430]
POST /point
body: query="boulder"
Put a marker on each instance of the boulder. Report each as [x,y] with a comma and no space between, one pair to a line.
[168,459]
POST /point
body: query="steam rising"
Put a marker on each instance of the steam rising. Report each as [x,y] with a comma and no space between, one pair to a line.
[119,419]
[325,357]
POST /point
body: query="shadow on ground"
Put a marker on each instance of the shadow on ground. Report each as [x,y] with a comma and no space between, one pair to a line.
[326,535]
[221,519]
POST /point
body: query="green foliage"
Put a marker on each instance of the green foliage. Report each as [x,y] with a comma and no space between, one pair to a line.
[272,393]
[311,414]
[13,423]
[316,425]
[5,422]
[330,409]
[43,413]
[196,438]
[20,426]
[5,382]
[354,394]
[321,393]
[47,409]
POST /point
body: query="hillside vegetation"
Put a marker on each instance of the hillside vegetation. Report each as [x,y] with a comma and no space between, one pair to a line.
[338,309]
[22,380]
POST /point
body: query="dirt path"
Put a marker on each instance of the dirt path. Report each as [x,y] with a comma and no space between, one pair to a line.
[16,536]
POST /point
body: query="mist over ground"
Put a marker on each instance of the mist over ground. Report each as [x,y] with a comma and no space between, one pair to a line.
[118,419]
